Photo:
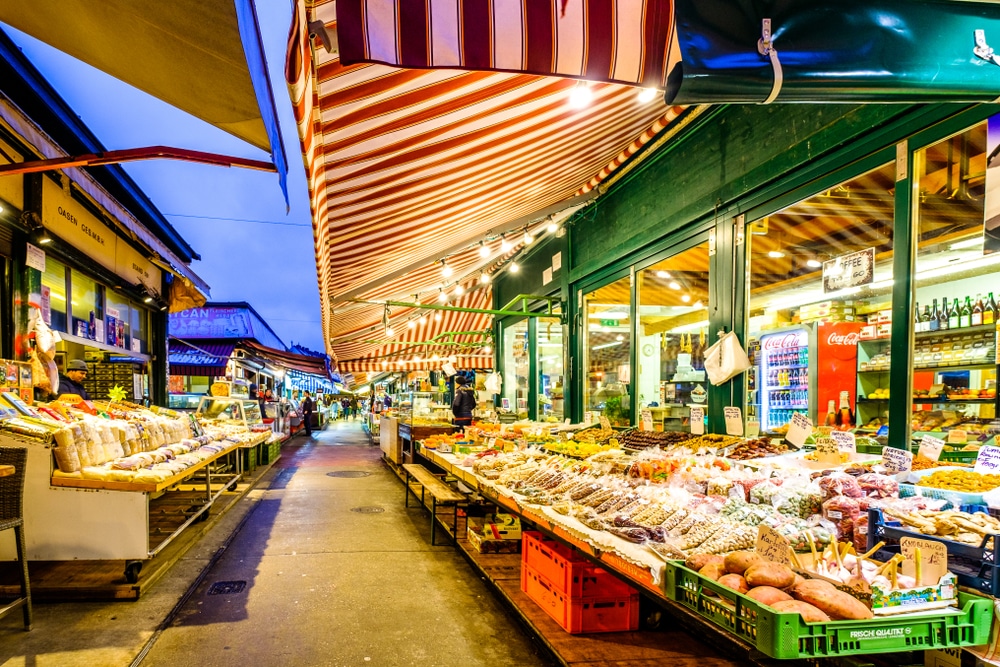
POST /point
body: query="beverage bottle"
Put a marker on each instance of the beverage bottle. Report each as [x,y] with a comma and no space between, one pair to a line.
[954,315]
[934,322]
[918,324]
[977,312]
[990,311]
[945,316]
[831,414]
[845,419]
[965,314]
[925,319]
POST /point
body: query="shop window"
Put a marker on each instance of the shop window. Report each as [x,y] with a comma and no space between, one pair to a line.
[139,329]
[608,352]
[673,334]
[54,283]
[956,286]
[515,386]
[820,307]
[551,380]
[85,306]
[116,320]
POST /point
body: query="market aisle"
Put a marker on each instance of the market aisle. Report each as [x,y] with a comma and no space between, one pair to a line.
[326,584]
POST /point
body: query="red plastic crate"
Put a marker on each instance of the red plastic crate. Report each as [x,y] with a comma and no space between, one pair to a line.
[568,571]
[581,615]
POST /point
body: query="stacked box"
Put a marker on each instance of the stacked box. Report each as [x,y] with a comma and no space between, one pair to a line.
[495,533]
[102,377]
[580,596]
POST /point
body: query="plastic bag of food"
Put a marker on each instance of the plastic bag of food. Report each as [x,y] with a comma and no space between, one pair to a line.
[67,456]
[762,494]
[842,512]
[839,484]
[878,486]
[801,500]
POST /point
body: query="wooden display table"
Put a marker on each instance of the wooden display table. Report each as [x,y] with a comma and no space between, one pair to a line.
[408,434]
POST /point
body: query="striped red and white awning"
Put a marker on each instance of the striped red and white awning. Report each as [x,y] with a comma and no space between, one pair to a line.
[408,166]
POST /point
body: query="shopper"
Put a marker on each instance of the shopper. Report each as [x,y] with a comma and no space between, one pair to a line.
[354,407]
[464,402]
[345,406]
[387,400]
[70,383]
[307,412]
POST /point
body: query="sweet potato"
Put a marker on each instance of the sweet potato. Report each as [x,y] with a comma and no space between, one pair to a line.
[798,580]
[713,570]
[809,613]
[769,574]
[768,595]
[738,561]
[837,604]
[734,581]
[698,561]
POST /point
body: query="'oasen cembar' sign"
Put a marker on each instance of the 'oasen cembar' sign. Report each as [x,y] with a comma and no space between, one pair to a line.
[857,268]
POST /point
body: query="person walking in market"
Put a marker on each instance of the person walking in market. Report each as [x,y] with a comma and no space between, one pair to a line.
[464,402]
[308,406]
[345,406]
[354,407]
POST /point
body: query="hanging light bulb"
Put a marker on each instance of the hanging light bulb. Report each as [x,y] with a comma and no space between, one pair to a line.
[686,298]
[647,95]
[487,349]
[410,324]
[484,250]
[459,290]
[389,333]
[422,321]
[528,238]
[445,270]
[514,268]
[416,358]
[443,297]
[580,96]
[437,317]
[552,227]
[484,278]
[453,359]
[385,364]
[505,245]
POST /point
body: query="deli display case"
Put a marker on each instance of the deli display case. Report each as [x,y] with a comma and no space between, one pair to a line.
[422,414]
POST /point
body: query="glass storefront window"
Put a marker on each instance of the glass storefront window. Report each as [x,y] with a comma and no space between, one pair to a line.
[551,380]
[608,351]
[820,307]
[956,281]
[515,384]
[673,334]
[117,315]
[140,328]
[85,307]
[54,279]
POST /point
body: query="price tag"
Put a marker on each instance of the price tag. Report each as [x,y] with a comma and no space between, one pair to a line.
[734,421]
[957,436]
[845,441]
[827,451]
[491,443]
[772,545]
[931,447]
[988,460]
[932,557]
[897,460]
[588,418]
[605,422]
[697,421]
[753,429]
[647,420]
[799,429]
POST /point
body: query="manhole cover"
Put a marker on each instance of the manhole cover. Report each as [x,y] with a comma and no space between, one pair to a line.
[368,510]
[226,587]
[348,473]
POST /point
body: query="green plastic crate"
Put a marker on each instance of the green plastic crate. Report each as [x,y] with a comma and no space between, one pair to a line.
[269,452]
[250,459]
[787,636]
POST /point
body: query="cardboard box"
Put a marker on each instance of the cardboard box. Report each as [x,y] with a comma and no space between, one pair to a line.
[485,545]
[868,332]
[950,657]
[497,526]
[883,330]
[884,316]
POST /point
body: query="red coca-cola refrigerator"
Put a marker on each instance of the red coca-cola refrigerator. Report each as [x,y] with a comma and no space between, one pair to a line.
[802,368]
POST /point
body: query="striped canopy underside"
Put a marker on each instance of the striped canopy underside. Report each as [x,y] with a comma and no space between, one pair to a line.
[404,165]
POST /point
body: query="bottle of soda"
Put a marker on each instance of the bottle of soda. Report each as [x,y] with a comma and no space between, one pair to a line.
[990,311]
[953,315]
[977,312]
[944,318]
[965,314]
[935,321]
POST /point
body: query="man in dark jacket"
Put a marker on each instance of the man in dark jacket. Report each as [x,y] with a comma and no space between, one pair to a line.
[464,402]
[71,383]
[307,413]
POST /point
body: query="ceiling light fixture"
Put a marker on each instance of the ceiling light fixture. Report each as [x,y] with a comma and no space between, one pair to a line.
[514,268]
[647,95]
[422,321]
[410,324]
[580,95]
[446,270]
[698,304]
[389,332]
[552,227]
[528,238]
[443,296]
[484,250]
[487,349]
[459,290]
[775,254]
[437,317]
[686,298]
[674,285]
[813,263]
[505,245]
[484,278]
[662,274]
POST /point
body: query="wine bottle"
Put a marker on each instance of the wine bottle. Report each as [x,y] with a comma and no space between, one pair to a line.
[953,315]
[925,319]
[977,311]
[935,320]
[965,314]
[990,311]
[945,316]
[845,420]
[917,322]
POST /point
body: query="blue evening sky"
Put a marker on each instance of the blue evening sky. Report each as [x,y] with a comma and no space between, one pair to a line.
[234,218]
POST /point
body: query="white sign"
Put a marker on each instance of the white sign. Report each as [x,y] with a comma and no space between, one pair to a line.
[799,428]
[845,441]
[99,331]
[772,545]
[827,451]
[753,429]
[546,276]
[647,420]
[35,258]
[605,422]
[556,261]
[930,447]
[136,345]
[697,421]
[734,421]
[988,460]
[897,460]
[588,418]
[852,270]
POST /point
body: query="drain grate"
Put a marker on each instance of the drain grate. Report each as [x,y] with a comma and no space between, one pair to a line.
[226,587]
[371,509]
[348,473]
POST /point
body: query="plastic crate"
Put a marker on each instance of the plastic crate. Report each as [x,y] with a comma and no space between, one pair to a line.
[568,571]
[269,452]
[581,615]
[975,566]
[249,456]
[787,636]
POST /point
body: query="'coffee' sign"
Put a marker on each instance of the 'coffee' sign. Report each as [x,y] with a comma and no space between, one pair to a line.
[857,268]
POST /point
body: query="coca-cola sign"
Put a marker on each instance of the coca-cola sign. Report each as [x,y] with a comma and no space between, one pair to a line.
[780,342]
[843,339]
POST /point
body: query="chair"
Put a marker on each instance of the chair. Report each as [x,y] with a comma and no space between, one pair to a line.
[12,517]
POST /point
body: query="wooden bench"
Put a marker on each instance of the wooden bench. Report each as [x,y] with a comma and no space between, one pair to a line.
[440,492]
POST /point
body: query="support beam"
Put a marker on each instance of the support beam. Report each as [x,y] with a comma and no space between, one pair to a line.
[133,155]
[457,309]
